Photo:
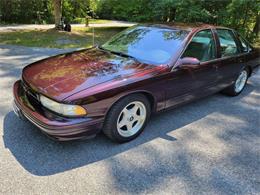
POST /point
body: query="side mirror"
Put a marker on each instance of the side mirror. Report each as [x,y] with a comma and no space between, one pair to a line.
[189,62]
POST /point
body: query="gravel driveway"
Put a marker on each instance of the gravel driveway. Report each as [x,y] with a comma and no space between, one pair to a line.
[211,146]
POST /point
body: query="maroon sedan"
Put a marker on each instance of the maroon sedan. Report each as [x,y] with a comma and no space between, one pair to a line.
[115,87]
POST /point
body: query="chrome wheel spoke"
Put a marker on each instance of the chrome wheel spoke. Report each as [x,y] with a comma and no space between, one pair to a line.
[134,109]
[122,122]
[129,126]
[126,112]
[139,118]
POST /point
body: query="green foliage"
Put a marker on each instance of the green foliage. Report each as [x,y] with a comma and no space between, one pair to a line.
[40,11]
[243,15]
[25,11]
[72,9]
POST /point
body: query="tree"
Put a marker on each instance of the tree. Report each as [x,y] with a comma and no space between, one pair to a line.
[256,28]
[76,9]
[57,12]
[25,12]
[242,15]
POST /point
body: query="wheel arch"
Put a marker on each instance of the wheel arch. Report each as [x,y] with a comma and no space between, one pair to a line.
[150,97]
[250,69]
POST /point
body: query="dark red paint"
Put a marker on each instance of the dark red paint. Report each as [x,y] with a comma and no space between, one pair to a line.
[97,79]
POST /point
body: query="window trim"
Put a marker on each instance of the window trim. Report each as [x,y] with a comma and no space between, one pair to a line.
[241,40]
[239,36]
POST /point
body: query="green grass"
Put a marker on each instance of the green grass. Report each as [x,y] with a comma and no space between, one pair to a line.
[78,38]
[99,21]
[91,21]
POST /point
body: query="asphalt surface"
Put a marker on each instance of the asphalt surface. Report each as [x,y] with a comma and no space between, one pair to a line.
[211,146]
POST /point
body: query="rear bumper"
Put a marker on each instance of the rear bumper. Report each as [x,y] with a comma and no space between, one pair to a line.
[61,129]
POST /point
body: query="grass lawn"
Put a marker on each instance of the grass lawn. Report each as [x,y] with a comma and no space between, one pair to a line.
[99,21]
[78,38]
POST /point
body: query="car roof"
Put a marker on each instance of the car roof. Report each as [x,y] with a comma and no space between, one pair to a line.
[184,26]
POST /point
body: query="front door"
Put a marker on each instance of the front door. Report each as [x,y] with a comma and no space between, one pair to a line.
[185,84]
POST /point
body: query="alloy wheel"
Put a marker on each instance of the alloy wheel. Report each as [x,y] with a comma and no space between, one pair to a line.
[131,119]
[241,81]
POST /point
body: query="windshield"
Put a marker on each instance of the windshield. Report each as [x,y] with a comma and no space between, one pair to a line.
[149,44]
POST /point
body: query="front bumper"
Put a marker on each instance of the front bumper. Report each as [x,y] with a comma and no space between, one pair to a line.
[57,127]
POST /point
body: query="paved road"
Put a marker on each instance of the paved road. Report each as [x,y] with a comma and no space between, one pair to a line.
[211,146]
[7,28]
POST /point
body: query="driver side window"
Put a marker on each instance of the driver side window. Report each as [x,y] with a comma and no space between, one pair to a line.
[202,46]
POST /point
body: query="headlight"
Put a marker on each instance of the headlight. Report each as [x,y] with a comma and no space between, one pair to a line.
[64,109]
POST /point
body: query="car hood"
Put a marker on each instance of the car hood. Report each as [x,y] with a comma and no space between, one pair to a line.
[61,76]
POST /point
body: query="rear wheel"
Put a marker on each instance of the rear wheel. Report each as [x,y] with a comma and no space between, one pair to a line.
[127,118]
[239,84]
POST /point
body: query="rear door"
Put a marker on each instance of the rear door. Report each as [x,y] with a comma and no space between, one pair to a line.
[249,55]
[232,59]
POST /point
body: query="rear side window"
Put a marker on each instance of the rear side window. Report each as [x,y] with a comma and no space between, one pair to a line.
[227,42]
[202,46]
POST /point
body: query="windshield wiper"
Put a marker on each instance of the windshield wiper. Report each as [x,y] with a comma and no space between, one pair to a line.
[117,53]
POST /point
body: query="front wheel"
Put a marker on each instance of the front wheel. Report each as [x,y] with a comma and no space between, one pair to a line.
[237,87]
[127,118]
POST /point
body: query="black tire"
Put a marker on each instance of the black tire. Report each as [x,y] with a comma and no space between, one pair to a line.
[230,91]
[110,124]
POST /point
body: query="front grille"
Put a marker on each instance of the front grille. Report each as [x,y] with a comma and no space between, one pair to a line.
[31,95]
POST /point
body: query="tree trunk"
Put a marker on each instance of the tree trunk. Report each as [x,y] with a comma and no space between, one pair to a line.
[57,13]
[257,26]
[171,14]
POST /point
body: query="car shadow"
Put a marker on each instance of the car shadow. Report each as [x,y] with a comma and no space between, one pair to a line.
[42,156]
